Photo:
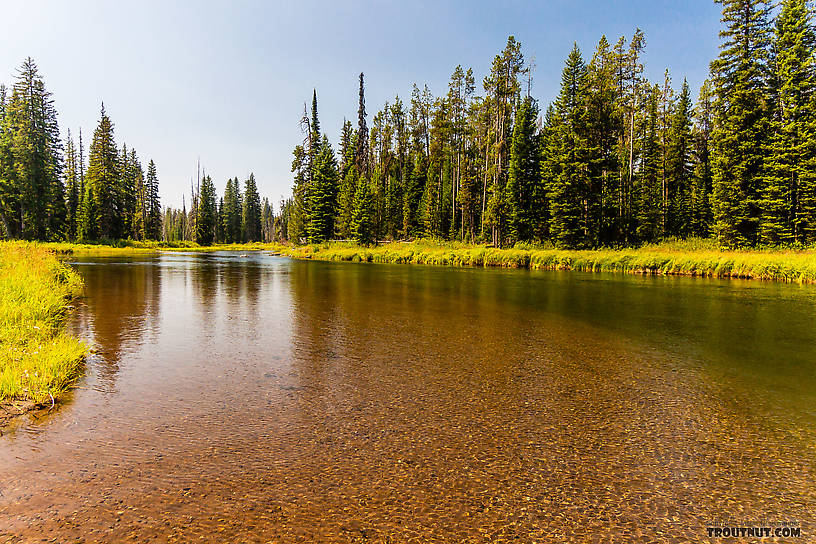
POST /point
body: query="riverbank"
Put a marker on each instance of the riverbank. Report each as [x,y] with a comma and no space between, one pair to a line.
[38,360]
[130,247]
[690,258]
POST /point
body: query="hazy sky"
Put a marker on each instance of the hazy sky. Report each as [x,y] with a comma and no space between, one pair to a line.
[226,81]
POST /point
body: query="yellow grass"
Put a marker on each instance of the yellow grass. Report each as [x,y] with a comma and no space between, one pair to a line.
[691,258]
[38,360]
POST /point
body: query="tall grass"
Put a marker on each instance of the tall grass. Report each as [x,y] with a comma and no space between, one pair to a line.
[38,360]
[695,257]
[114,248]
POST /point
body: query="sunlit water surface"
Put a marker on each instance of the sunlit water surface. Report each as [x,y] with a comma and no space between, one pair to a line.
[254,398]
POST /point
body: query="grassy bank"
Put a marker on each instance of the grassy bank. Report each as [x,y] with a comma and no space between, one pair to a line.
[131,247]
[38,360]
[691,258]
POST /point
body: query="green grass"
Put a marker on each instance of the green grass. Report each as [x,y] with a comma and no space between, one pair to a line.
[38,359]
[114,248]
[693,257]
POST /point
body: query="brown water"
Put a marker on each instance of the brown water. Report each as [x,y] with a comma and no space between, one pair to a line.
[258,399]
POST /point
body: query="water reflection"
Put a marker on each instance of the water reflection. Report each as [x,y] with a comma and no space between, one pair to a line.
[264,399]
[120,311]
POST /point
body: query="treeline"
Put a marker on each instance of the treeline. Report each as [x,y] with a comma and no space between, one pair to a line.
[615,160]
[49,192]
[236,217]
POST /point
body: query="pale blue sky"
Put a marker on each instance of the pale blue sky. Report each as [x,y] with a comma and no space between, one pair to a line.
[226,81]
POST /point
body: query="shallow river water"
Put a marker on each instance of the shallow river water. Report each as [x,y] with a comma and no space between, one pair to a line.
[259,399]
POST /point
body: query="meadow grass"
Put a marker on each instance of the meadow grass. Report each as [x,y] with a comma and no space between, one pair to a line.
[695,257]
[113,248]
[38,359]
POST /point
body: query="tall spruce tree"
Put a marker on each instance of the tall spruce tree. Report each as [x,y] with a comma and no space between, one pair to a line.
[740,75]
[251,211]
[102,214]
[569,169]
[647,190]
[788,199]
[73,190]
[362,223]
[152,203]
[32,196]
[323,195]
[206,213]
[701,193]
[680,167]
[524,172]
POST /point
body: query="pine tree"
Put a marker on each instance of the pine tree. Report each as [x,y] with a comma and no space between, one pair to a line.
[569,169]
[323,195]
[742,120]
[524,172]
[72,188]
[361,154]
[701,193]
[296,229]
[788,200]
[604,127]
[103,211]
[206,213]
[152,203]
[362,224]
[251,211]
[679,167]
[647,191]
[8,185]
[125,194]
[32,197]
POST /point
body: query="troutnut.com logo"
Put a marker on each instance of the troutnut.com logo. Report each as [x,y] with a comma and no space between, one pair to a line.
[754,529]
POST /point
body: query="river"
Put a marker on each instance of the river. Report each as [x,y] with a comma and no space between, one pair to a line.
[253,398]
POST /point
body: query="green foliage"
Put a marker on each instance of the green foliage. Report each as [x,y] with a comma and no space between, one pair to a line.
[151,204]
[568,165]
[251,211]
[32,197]
[680,168]
[694,257]
[104,205]
[362,222]
[206,213]
[38,360]
[739,136]
[322,195]
[524,181]
[788,200]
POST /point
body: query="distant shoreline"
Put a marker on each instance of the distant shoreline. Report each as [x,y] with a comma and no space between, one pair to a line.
[693,258]
[662,259]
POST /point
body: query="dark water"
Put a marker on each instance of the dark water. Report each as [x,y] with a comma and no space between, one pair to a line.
[258,399]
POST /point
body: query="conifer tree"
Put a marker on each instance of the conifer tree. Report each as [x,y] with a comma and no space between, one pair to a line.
[251,211]
[323,195]
[679,167]
[569,170]
[153,204]
[72,188]
[361,154]
[206,213]
[701,193]
[102,213]
[32,196]
[362,223]
[524,172]
[647,191]
[740,80]
[8,185]
[788,200]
